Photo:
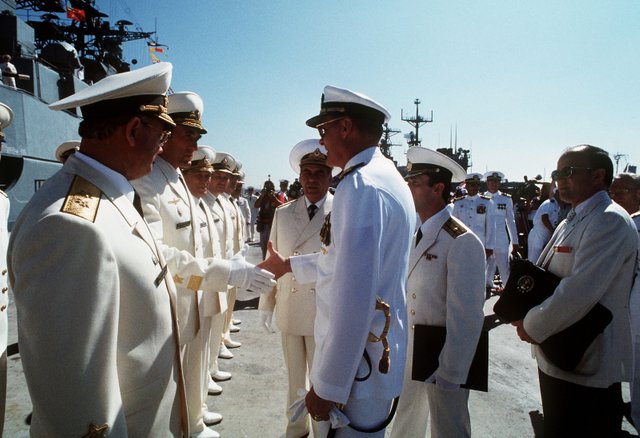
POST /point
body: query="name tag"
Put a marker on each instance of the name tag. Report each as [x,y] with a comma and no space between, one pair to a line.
[183,225]
[563,249]
[161,276]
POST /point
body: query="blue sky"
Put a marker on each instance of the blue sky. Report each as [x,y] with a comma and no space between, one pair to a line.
[521,80]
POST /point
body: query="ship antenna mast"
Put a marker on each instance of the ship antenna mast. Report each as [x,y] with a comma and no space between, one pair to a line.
[416,122]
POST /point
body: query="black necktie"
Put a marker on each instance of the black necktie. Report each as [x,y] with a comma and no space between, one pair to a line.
[418,236]
[311,210]
[137,203]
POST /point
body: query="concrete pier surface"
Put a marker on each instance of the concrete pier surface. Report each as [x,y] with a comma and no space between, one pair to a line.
[253,401]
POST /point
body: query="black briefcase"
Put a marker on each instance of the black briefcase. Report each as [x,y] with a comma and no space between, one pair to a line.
[428,341]
[528,286]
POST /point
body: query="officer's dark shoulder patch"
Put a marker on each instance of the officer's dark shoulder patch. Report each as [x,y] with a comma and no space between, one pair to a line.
[458,198]
[454,227]
[82,200]
[485,197]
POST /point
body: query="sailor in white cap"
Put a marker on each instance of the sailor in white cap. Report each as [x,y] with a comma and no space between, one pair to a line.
[171,212]
[445,288]
[476,212]
[6,116]
[360,271]
[198,176]
[506,231]
[223,165]
[82,237]
[66,149]
[238,222]
[295,231]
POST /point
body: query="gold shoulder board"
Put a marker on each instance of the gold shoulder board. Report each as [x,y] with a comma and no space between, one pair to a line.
[82,200]
[485,197]
[454,227]
[459,198]
[287,203]
[508,195]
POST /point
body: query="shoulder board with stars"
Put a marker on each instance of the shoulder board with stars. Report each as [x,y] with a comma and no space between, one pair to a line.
[454,227]
[82,200]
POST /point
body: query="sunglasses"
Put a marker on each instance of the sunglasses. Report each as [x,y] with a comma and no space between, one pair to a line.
[321,127]
[164,133]
[567,172]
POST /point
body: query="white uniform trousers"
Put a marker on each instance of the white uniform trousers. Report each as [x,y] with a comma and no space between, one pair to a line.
[217,331]
[298,357]
[501,259]
[231,301]
[194,366]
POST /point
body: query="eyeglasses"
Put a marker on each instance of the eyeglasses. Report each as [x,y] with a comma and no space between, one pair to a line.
[619,193]
[321,127]
[567,172]
[165,134]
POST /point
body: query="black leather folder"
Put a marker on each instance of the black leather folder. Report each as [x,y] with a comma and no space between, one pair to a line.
[528,286]
[428,341]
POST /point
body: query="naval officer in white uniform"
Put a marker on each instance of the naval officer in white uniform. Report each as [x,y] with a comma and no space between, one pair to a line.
[362,266]
[296,230]
[445,289]
[96,308]
[475,211]
[170,210]
[506,231]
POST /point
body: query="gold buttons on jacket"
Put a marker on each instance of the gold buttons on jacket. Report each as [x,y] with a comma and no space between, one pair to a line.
[312,290]
[4,290]
[413,312]
[413,295]
[3,308]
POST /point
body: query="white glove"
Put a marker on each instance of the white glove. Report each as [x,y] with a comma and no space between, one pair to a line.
[247,276]
[266,320]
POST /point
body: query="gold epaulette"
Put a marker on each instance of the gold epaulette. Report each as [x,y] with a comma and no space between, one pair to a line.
[486,197]
[82,200]
[459,198]
[454,227]
[286,203]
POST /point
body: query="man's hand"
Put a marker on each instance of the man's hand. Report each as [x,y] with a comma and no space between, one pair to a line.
[275,263]
[522,333]
[318,407]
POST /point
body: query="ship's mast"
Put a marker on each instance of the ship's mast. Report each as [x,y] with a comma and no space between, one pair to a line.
[385,141]
[416,122]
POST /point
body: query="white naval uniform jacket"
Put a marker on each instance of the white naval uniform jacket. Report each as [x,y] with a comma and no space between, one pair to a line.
[4,292]
[96,317]
[445,288]
[169,209]
[292,233]
[595,254]
[506,231]
[211,248]
[223,223]
[476,212]
[372,224]
[236,219]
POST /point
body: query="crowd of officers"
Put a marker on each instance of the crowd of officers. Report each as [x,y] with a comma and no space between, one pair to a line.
[140,301]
